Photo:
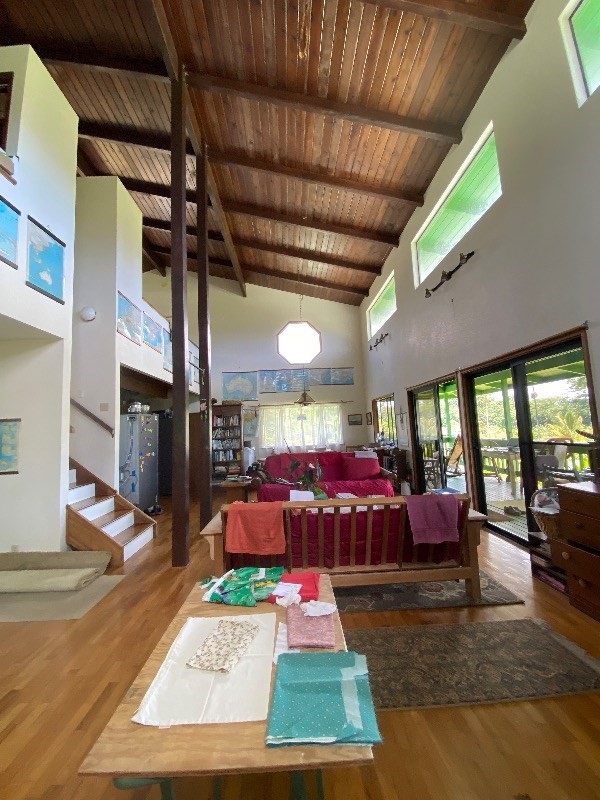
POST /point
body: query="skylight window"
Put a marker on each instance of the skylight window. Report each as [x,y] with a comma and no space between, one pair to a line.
[581,29]
[382,307]
[470,195]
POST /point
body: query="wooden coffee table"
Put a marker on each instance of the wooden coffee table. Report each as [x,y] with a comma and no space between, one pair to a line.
[236,490]
[125,748]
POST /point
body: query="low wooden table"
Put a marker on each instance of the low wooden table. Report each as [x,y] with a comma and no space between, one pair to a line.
[128,749]
[236,490]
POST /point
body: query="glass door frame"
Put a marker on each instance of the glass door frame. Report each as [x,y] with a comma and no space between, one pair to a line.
[516,361]
[420,482]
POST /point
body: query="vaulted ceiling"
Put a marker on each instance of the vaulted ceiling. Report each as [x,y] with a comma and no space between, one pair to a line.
[325,121]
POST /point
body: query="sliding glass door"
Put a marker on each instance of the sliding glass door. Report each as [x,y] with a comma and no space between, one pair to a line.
[526,419]
[436,432]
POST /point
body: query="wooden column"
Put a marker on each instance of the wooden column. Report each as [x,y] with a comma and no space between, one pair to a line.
[181,470]
[205,460]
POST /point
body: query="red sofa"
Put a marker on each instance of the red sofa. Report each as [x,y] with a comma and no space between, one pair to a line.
[341,472]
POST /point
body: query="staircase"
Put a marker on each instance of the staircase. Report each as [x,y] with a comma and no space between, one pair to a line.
[98,518]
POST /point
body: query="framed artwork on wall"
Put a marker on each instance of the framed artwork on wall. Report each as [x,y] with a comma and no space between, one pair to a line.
[9,233]
[369,417]
[9,446]
[45,261]
[355,419]
[167,351]
[129,319]
[153,334]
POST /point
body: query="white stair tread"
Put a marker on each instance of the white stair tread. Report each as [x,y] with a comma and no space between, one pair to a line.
[120,522]
[89,501]
[103,505]
[139,535]
[82,492]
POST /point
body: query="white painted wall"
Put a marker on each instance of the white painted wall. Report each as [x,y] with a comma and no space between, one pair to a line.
[42,139]
[535,272]
[244,334]
[34,501]
[35,372]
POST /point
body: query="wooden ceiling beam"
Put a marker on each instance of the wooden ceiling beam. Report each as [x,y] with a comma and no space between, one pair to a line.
[161,34]
[314,178]
[74,56]
[307,255]
[321,105]
[328,227]
[125,135]
[154,189]
[165,225]
[166,251]
[306,279]
[467,15]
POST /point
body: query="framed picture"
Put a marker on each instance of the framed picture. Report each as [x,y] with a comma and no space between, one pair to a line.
[9,446]
[369,418]
[129,319]
[240,386]
[45,262]
[355,419]
[9,233]
[167,351]
[153,333]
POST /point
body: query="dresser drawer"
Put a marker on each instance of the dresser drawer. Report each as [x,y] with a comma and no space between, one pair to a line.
[580,528]
[582,498]
[576,562]
[584,595]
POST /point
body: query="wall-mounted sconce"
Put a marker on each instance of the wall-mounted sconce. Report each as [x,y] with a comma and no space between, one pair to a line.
[88,314]
[378,340]
[445,276]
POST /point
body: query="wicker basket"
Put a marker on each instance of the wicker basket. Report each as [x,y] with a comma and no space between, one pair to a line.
[547,523]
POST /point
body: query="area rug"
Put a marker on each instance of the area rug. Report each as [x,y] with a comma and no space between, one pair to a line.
[424,666]
[433,594]
[48,606]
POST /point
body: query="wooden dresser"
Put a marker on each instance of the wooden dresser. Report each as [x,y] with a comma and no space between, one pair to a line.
[578,549]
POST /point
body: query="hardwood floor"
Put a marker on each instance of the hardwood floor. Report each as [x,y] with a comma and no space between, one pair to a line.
[60,681]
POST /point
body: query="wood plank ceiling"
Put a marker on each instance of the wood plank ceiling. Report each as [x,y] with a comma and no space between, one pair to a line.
[325,121]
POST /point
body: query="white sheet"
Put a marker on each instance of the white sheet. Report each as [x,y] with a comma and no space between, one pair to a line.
[180,695]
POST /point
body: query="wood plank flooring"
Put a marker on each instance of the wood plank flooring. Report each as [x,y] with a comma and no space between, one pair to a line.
[60,681]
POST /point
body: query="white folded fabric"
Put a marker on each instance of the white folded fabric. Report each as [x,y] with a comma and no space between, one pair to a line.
[180,695]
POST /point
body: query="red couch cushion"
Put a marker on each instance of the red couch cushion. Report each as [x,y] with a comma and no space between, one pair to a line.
[278,466]
[331,466]
[359,469]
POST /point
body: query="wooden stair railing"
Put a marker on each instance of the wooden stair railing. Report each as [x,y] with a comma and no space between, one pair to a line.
[92,416]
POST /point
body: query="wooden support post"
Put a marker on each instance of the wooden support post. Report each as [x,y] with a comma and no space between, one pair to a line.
[205,461]
[179,336]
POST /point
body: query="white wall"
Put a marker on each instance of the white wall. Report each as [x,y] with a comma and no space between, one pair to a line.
[535,271]
[34,501]
[42,139]
[35,372]
[244,332]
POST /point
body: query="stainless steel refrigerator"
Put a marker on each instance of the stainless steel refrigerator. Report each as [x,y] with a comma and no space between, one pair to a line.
[138,459]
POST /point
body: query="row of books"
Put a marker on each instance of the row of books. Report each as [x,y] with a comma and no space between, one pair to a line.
[226,444]
[226,433]
[226,455]
[230,419]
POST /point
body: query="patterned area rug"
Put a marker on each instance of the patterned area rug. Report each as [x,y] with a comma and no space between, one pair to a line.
[479,662]
[436,594]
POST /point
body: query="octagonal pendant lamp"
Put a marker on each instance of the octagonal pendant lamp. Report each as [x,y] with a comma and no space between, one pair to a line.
[299,342]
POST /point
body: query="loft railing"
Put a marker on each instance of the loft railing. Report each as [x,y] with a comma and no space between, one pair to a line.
[93,417]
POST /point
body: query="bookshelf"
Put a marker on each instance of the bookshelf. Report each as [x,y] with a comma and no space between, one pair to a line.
[227,440]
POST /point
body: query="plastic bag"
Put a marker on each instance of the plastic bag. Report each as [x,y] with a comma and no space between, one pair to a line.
[245,586]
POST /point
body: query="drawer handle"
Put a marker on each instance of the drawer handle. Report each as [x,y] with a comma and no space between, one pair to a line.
[582,583]
[565,555]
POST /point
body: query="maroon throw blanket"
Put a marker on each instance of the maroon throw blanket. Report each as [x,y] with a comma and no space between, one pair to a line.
[433,518]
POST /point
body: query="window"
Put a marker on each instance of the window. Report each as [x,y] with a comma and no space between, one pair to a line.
[382,308]
[581,31]
[6,79]
[384,418]
[305,427]
[473,191]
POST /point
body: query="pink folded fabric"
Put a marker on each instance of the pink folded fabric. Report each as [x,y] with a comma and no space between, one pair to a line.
[309,631]
[433,518]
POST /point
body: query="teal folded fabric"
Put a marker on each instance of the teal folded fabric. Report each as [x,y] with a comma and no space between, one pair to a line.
[322,698]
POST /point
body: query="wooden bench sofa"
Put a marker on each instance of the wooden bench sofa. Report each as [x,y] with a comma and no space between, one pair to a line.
[362,541]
